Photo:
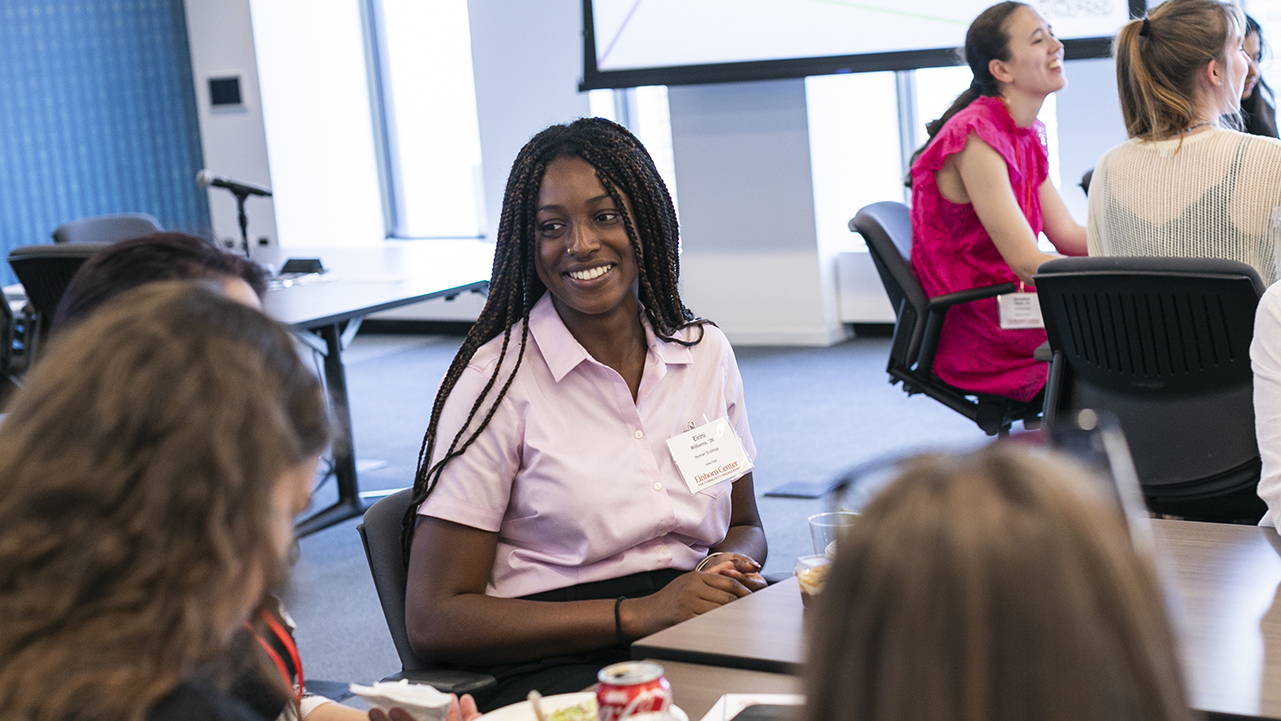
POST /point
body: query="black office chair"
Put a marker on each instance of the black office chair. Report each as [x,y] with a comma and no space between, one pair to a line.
[9,369]
[887,228]
[1164,344]
[44,271]
[107,228]
[380,533]
[1086,177]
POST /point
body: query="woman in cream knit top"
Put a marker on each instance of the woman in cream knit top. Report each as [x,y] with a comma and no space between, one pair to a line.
[1182,186]
[1213,194]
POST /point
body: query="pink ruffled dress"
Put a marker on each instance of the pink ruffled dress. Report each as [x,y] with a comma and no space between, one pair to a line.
[951,251]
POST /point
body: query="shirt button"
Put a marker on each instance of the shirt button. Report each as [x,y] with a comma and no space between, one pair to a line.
[640,434]
[658,486]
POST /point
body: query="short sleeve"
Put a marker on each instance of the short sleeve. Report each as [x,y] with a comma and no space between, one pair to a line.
[980,120]
[474,488]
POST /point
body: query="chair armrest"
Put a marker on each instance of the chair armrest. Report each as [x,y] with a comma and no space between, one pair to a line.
[941,303]
[937,311]
[1043,352]
[448,680]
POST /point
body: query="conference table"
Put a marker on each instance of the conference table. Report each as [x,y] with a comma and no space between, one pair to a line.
[325,310]
[1222,583]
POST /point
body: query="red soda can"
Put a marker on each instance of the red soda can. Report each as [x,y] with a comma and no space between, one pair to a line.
[631,688]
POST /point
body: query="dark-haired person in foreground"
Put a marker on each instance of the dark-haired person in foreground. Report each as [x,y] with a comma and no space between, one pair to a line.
[993,586]
[981,195]
[158,256]
[550,525]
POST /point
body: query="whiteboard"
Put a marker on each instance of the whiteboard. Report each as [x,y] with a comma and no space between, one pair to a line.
[636,35]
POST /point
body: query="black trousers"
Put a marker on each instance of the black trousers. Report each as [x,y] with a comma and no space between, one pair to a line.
[567,674]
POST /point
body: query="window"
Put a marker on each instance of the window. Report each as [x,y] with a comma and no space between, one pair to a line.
[855,156]
[432,138]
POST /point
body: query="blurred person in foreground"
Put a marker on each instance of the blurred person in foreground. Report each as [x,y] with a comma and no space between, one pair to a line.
[265,645]
[992,586]
[150,471]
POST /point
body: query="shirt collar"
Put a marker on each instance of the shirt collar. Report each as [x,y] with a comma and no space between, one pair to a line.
[562,352]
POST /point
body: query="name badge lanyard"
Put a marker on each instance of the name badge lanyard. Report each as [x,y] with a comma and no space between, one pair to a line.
[709,455]
[1020,310]
[290,647]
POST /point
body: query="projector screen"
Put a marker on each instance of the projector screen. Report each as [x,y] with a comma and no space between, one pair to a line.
[628,43]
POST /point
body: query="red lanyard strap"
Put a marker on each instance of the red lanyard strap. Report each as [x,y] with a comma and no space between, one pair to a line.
[288,642]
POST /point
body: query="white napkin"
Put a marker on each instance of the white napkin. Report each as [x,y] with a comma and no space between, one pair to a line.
[423,702]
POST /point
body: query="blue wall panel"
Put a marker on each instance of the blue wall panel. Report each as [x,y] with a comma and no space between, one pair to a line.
[97,115]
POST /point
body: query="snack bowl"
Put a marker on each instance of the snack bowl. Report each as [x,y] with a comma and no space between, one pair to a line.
[579,706]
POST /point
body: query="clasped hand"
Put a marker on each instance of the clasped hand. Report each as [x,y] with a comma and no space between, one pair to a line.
[691,594]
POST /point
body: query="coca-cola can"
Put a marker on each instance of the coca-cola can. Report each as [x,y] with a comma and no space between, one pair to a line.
[631,688]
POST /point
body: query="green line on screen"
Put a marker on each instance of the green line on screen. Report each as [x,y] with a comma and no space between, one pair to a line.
[891,11]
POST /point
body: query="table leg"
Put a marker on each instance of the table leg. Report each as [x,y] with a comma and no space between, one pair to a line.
[349,504]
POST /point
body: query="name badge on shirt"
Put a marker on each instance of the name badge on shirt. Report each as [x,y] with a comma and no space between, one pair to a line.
[1020,310]
[709,455]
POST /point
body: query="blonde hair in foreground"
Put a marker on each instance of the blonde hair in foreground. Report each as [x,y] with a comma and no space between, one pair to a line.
[1157,73]
[993,586]
[136,473]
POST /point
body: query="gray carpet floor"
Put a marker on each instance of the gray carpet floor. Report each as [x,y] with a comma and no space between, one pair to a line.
[813,411]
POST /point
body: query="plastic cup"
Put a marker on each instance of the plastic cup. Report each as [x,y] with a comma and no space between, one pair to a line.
[826,528]
[811,573]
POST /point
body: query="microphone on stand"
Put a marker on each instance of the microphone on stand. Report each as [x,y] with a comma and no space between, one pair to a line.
[205,179]
[242,191]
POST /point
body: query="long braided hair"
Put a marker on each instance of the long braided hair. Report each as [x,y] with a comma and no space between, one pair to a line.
[624,169]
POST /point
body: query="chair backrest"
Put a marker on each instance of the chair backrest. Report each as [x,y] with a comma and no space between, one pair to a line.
[6,334]
[45,270]
[380,533]
[887,228]
[1164,343]
[106,228]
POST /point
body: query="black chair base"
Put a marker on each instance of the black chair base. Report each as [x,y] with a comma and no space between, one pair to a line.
[994,415]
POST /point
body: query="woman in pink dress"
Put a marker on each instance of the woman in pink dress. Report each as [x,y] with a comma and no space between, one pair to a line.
[981,196]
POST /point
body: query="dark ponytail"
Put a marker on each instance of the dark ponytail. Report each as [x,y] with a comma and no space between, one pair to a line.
[985,41]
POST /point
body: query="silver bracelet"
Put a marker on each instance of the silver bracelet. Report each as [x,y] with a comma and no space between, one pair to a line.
[706,561]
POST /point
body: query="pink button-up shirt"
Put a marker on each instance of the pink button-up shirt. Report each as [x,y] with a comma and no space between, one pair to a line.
[572,474]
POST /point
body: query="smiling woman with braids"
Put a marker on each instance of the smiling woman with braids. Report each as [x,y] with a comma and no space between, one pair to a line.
[550,525]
